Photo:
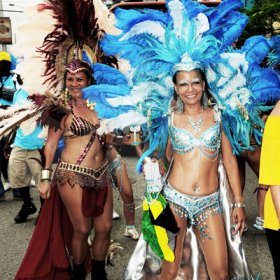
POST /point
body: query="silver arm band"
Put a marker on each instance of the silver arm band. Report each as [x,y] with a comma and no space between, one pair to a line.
[238,205]
[46,174]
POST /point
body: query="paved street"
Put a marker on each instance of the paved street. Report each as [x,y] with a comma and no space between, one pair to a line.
[14,237]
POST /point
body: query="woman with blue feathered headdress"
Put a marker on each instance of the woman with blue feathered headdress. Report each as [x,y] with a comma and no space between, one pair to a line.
[190,44]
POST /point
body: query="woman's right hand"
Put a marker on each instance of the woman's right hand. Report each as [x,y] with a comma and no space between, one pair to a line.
[45,189]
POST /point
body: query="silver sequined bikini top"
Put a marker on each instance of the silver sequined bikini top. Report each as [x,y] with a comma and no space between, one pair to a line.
[183,141]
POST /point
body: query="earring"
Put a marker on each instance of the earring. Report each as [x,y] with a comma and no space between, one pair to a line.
[66,96]
[205,100]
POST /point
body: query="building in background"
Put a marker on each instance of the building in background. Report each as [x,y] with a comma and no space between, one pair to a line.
[11,10]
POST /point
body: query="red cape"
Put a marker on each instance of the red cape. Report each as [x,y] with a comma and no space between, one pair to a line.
[47,256]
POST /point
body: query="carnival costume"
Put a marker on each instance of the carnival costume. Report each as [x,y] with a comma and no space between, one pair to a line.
[68,40]
[157,44]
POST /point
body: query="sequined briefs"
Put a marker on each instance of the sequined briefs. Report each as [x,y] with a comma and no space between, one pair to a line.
[196,209]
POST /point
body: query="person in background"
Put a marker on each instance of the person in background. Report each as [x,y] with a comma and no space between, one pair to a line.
[25,160]
[252,158]
[270,176]
[2,190]
[7,90]
[7,85]
[118,171]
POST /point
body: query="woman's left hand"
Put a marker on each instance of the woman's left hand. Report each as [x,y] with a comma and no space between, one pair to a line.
[238,219]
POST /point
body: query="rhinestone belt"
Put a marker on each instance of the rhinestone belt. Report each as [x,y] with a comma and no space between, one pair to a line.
[95,173]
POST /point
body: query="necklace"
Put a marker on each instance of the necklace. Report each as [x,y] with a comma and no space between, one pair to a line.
[196,125]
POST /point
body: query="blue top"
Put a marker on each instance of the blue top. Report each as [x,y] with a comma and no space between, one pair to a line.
[183,141]
[30,141]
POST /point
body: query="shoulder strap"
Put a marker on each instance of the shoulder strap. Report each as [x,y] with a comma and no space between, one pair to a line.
[86,149]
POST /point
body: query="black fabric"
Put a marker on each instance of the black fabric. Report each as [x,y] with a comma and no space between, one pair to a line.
[25,211]
[79,272]
[166,220]
[25,194]
[98,270]
[273,239]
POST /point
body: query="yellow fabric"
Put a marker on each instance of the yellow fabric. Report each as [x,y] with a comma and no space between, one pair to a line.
[145,205]
[270,216]
[270,168]
[270,153]
[5,56]
[156,208]
[163,243]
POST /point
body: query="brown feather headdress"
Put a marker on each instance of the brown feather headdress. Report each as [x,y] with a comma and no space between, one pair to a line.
[76,35]
[55,33]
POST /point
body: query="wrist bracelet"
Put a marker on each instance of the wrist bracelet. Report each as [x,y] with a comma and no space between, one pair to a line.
[43,180]
[46,174]
[109,146]
[238,205]
[118,140]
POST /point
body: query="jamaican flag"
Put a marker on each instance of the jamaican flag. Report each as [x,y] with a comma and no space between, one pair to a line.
[158,223]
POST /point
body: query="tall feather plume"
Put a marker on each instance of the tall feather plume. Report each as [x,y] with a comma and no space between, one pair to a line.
[75,20]
[12,117]
[48,38]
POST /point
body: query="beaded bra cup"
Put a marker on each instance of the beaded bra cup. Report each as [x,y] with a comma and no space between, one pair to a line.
[184,141]
[80,126]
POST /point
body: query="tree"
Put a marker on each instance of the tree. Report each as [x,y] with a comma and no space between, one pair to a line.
[264,19]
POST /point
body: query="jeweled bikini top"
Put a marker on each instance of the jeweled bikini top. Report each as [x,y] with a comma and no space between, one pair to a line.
[183,141]
[80,126]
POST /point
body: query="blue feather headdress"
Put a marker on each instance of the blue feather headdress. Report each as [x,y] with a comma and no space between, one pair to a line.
[274,55]
[188,36]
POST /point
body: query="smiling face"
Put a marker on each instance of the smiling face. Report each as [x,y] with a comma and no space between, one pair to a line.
[76,82]
[189,87]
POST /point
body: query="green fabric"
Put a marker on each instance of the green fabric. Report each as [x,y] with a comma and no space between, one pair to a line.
[148,230]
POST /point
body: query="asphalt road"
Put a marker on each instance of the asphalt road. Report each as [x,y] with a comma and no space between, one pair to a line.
[14,238]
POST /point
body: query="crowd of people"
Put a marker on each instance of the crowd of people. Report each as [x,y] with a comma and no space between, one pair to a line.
[196,135]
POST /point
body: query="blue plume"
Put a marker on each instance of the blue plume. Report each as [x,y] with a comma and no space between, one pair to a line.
[104,74]
[256,49]
[273,60]
[266,86]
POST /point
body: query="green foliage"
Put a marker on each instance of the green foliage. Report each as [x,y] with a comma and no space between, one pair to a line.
[261,18]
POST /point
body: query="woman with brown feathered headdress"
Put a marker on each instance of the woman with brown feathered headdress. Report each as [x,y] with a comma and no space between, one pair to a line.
[78,197]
